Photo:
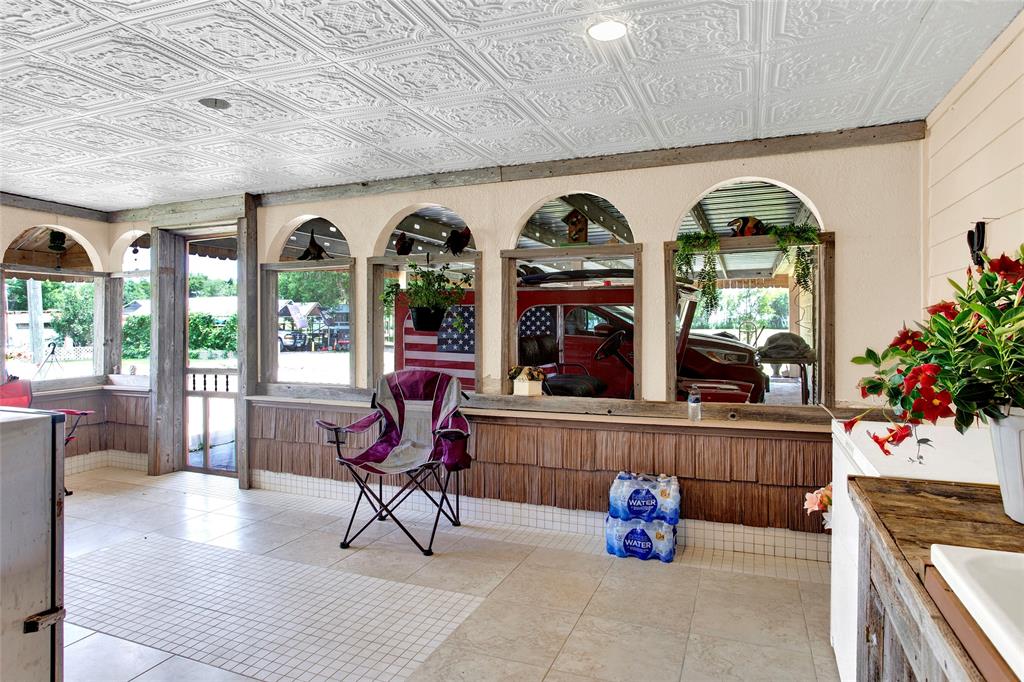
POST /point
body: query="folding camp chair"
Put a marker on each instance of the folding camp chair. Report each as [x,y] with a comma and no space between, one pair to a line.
[423,436]
[18,393]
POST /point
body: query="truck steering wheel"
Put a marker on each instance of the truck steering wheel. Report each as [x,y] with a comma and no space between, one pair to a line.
[611,347]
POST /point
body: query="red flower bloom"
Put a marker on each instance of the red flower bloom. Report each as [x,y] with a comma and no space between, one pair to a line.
[893,436]
[946,308]
[925,375]
[1009,269]
[933,405]
[850,423]
[863,391]
[907,340]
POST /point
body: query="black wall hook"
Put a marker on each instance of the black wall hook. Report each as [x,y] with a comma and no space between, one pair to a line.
[976,242]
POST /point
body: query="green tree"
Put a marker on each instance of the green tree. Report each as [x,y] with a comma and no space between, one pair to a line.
[73,313]
[203,285]
[136,290]
[135,337]
[314,286]
[225,336]
[17,293]
[200,331]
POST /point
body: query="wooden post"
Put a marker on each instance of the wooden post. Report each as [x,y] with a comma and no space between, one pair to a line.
[107,309]
[638,327]
[268,325]
[509,321]
[671,336]
[34,297]
[248,333]
[375,323]
[826,293]
[169,285]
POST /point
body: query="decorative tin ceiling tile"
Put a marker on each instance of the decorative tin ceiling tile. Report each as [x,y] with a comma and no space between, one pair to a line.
[437,70]
[162,122]
[350,27]
[32,22]
[523,57]
[697,30]
[127,59]
[720,81]
[229,38]
[563,102]
[49,84]
[326,91]
[476,115]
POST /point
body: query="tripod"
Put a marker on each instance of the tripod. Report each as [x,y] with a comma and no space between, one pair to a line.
[50,359]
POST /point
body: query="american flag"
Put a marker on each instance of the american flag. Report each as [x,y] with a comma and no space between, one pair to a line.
[447,349]
[538,321]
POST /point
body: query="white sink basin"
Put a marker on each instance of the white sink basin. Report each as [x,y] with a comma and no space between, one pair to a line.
[988,584]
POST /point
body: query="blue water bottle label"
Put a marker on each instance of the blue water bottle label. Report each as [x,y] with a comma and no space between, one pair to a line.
[638,543]
[641,504]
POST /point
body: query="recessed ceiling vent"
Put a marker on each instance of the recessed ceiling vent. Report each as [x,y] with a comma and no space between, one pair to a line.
[214,103]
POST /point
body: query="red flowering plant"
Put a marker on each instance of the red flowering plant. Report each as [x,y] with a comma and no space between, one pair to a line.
[965,361]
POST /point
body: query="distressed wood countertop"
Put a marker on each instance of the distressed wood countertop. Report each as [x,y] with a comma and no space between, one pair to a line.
[918,514]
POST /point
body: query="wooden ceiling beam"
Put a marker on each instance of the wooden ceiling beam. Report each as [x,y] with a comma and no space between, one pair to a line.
[701,218]
[600,217]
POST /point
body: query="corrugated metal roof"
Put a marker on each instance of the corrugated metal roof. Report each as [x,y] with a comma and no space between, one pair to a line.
[327,235]
[770,203]
[546,229]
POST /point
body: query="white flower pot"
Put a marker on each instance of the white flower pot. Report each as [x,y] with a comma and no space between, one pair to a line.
[527,388]
[1008,446]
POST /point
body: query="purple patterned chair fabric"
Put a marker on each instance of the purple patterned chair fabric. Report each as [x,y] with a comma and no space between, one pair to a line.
[421,432]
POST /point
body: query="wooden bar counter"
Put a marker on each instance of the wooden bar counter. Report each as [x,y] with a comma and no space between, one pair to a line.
[913,626]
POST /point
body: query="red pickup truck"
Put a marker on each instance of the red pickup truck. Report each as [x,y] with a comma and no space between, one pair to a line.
[581,335]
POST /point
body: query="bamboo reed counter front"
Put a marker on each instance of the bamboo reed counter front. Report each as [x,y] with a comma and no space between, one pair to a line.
[748,471]
[911,626]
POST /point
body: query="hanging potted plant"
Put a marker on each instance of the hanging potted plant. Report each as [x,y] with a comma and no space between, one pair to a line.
[966,361]
[794,242]
[430,294]
[688,246]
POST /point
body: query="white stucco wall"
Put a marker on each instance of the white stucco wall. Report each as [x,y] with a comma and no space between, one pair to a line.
[869,196]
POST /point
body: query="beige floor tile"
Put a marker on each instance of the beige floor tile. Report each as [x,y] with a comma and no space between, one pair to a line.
[207,503]
[578,562]
[315,548]
[259,537]
[824,661]
[443,541]
[745,584]
[481,549]
[816,616]
[815,594]
[749,616]
[160,516]
[449,664]
[559,676]
[649,572]
[73,523]
[669,608]
[74,633]
[101,658]
[528,634]
[303,519]
[613,650]
[374,532]
[249,510]
[548,587]
[96,536]
[384,561]
[178,669]
[205,526]
[461,575]
[712,658]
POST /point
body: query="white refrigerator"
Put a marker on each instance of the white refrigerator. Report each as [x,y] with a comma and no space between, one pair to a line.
[31,545]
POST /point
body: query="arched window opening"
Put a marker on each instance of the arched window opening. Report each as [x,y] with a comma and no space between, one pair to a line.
[49,310]
[424,297]
[575,282]
[309,323]
[749,287]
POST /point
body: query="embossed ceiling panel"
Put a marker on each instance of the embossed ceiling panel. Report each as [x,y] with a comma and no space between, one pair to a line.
[99,98]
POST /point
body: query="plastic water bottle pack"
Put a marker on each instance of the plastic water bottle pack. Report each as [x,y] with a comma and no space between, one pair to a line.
[640,539]
[644,497]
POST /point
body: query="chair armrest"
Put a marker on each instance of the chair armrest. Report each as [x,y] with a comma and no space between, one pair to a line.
[452,434]
[76,413]
[358,426]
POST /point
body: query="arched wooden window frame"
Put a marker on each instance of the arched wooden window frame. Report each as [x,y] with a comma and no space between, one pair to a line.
[510,295]
[825,325]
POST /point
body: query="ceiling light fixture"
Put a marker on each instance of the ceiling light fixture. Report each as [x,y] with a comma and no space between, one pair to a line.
[606,30]
[215,103]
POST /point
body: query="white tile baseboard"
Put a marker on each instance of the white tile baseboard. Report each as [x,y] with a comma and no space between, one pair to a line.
[137,461]
[774,542]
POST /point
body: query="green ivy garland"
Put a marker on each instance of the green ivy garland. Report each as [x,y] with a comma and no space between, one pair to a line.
[689,245]
[793,241]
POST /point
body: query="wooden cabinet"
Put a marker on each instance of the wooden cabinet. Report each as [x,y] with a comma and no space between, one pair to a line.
[902,634]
